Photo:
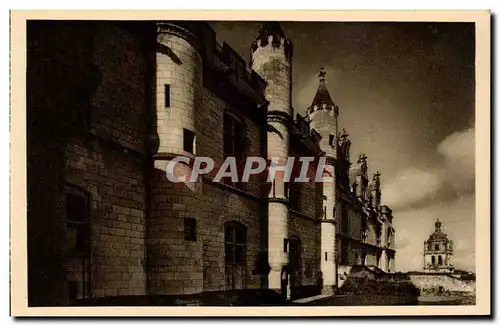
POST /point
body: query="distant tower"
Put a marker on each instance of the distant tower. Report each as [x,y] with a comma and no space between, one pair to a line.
[323,117]
[272,60]
[438,251]
[173,206]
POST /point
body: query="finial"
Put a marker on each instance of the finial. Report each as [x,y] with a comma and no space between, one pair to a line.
[364,166]
[321,75]
[344,133]
[376,178]
[438,225]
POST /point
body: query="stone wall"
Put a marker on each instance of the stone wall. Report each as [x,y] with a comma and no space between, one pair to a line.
[342,273]
[371,235]
[45,158]
[120,103]
[433,281]
[115,183]
[372,258]
[87,112]
[91,129]
[109,163]
[306,230]
[221,203]
[355,217]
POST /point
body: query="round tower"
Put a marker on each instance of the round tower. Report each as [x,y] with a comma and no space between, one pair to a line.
[323,117]
[178,86]
[272,60]
[172,242]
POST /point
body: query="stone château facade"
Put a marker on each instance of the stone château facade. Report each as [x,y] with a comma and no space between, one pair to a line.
[109,104]
[438,251]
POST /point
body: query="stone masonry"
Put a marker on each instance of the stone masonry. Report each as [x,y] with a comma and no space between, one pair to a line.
[110,104]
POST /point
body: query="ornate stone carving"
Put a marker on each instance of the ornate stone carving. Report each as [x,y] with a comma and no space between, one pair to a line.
[364,165]
[376,180]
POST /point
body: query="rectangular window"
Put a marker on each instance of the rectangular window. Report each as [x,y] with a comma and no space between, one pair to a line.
[167,96]
[76,210]
[332,138]
[189,141]
[234,137]
[77,217]
[190,229]
[234,146]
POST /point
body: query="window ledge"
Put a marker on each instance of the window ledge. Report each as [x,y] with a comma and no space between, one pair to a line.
[233,189]
[302,215]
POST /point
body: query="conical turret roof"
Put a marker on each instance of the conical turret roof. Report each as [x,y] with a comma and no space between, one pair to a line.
[322,95]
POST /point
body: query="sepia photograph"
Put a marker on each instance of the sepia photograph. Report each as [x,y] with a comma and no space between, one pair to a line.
[185,161]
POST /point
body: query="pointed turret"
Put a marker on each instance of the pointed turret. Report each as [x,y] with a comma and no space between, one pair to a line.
[322,95]
[322,99]
[323,117]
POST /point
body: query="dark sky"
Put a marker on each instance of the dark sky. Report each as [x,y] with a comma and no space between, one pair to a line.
[406,95]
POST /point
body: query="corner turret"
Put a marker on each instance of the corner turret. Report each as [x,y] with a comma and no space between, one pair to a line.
[272,60]
[272,33]
[322,115]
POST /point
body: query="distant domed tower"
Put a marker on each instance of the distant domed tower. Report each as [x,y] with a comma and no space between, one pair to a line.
[438,251]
